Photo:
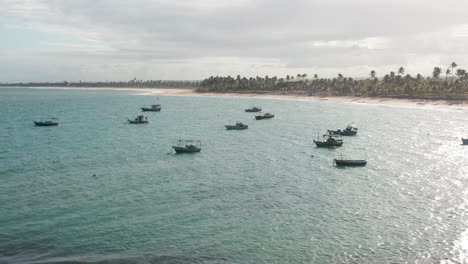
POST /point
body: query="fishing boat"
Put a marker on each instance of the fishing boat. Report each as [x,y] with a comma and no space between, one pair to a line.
[237,126]
[332,141]
[187,146]
[253,109]
[153,108]
[264,116]
[350,130]
[465,141]
[343,162]
[139,120]
[45,123]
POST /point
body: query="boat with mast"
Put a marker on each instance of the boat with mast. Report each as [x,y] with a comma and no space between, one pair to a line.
[187,146]
[330,142]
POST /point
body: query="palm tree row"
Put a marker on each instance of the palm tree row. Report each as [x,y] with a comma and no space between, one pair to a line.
[453,86]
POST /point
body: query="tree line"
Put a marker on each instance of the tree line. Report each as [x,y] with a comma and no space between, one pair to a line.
[450,84]
[134,83]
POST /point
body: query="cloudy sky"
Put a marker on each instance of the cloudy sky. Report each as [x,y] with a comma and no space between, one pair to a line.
[90,40]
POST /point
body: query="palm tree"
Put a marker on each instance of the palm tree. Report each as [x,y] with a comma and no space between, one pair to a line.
[401,71]
[453,65]
[386,78]
[392,76]
[373,74]
[436,72]
[460,73]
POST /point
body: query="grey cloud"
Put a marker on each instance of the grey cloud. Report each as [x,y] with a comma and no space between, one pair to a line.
[149,33]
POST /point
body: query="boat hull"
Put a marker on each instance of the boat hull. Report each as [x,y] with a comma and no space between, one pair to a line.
[321,144]
[350,162]
[137,122]
[45,124]
[150,109]
[263,117]
[342,133]
[185,150]
[228,127]
[465,141]
[253,110]
[348,133]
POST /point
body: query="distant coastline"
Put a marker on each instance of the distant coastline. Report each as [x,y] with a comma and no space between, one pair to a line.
[273,95]
[451,88]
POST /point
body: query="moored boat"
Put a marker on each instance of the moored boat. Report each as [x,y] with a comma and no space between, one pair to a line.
[342,162]
[264,116]
[253,109]
[45,123]
[465,141]
[153,108]
[139,120]
[187,146]
[350,130]
[237,126]
[332,141]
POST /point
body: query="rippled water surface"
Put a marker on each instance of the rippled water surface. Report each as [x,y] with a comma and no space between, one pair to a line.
[262,195]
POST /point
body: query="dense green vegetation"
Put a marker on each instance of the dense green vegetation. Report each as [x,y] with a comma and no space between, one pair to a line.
[129,84]
[453,85]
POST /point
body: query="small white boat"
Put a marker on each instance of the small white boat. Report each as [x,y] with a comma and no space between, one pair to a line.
[264,116]
[139,120]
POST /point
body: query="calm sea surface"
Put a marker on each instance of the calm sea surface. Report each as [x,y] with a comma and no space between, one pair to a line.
[262,195]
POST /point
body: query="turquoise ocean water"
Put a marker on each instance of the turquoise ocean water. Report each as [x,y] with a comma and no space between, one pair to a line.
[262,195]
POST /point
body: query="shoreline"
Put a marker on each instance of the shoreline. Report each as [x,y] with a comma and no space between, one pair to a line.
[275,95]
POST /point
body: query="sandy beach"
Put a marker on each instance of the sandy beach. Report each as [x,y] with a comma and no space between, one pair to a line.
[280,95]
[355,99]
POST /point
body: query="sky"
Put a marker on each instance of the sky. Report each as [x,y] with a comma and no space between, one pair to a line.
[118,40]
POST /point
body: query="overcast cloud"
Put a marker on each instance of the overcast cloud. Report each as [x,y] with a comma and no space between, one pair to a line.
[54,40]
